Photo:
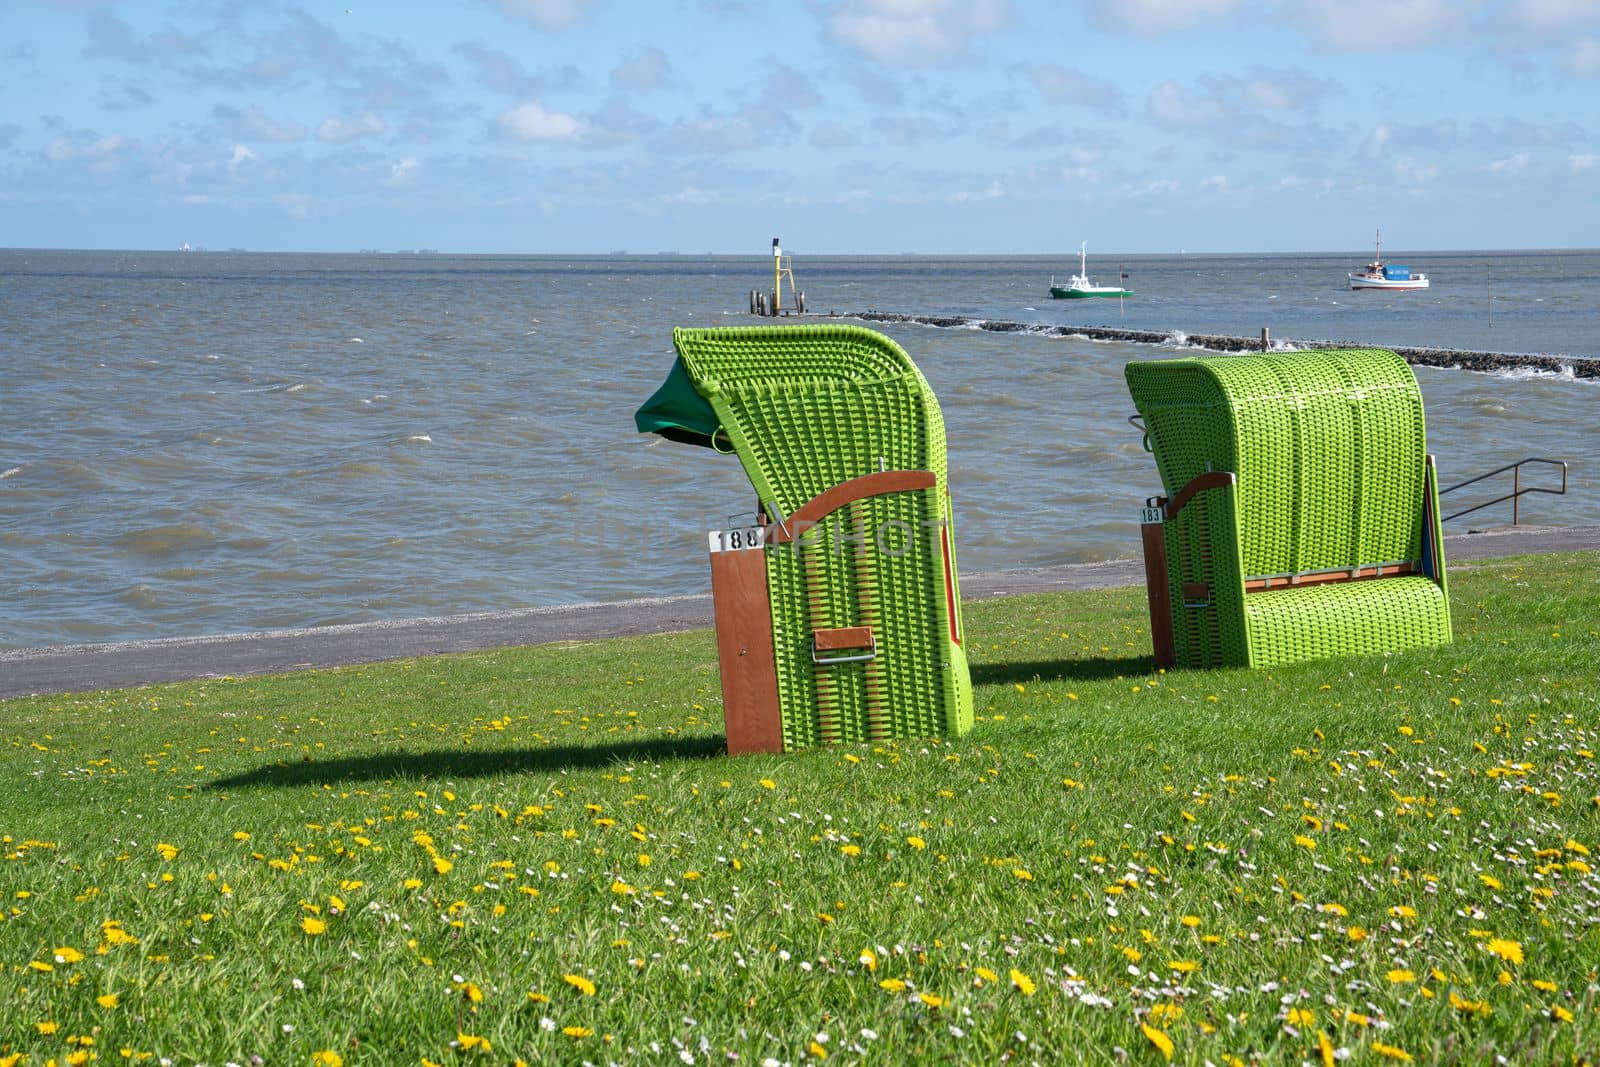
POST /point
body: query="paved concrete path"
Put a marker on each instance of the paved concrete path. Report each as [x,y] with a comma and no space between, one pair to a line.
[75,668]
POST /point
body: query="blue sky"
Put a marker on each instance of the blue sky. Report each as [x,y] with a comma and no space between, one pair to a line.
[880,126]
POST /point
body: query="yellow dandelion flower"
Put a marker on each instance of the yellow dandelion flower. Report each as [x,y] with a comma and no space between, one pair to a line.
[1403,911]
[768,783]
[580,983]
[1391,1052]
[1560,1014]
[869,959]
[538,998]
[986,974]
[1191,921]
[327,1058]
[577,1031]
[1544,985]
[241,835]
[1183,966]
[931,1000]
[442,865]
[471,991]
[1304,842]
[168,852]
[850,850]
[312,926]
[1490,880]
[1506,949]
[1300,1017]
[1165,1014]
[1161,1041]
[47,1027]
[41,966]
[1399,975]
[816,1049]
[68,955]
[1356,933]
[1470,1007]
[471,1042]
[893,985]
[916,842]
[1022,983]
[108,1000]
[1022,874]
[1325,1049]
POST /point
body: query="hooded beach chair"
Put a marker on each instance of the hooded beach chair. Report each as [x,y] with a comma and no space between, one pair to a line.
[1301,515]
[838,613]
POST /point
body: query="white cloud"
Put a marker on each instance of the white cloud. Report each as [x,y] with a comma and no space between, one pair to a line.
[1068,85]
[400,173]
[1511,165]
[1582,59]
[1217,183]
[342,130]
[913,32]
[551,14]
[1173,106]
[992,191]
[1152,18]
[833,135]
[1215,99]
[648,70]
[1583,161]
[531,122]
[241,155]
[1551,17]
[1408,172]
[64,149]
[1378,25]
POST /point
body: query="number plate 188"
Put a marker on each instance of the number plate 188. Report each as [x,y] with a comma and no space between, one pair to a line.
[738,540]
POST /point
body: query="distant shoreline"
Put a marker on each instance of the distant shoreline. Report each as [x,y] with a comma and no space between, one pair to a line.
[1579,366]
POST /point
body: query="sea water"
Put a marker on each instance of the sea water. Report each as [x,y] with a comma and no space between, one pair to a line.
[200,442]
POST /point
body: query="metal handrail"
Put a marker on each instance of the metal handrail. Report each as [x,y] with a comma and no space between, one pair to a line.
[1516,486]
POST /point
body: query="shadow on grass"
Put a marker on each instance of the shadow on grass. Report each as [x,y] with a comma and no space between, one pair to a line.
[466,763]
[1098,669]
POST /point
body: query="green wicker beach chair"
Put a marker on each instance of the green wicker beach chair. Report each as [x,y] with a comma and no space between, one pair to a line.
[1301,516]
[844,443]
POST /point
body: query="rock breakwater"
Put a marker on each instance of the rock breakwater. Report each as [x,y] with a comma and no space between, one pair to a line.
[1576,366]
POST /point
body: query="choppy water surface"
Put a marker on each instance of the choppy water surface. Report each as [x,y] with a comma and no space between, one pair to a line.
[202,443]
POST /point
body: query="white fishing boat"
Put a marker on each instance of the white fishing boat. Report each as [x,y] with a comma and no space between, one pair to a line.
[1381,275]
[1080,286]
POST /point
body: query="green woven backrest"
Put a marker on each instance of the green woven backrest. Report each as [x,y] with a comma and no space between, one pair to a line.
[1328,447]
[806,408]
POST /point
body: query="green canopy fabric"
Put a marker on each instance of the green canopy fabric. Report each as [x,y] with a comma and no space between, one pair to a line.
[678,412]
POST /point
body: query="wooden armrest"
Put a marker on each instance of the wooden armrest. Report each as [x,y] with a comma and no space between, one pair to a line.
[1209,480]
[827,502]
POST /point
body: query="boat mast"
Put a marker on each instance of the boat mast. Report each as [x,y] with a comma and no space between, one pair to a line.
[1083,260]
[1378,255]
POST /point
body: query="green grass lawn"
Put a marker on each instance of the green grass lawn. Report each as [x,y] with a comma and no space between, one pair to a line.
[542,854]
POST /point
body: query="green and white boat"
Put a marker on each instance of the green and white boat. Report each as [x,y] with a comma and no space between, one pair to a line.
[1080,286]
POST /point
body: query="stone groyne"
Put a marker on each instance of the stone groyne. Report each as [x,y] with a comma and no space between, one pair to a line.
[1578,367]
